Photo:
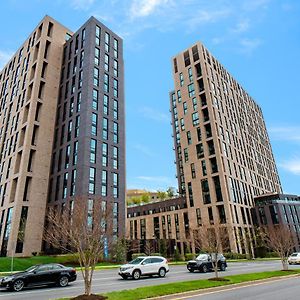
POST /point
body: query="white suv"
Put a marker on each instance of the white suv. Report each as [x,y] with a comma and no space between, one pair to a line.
[145,265]
[294,258]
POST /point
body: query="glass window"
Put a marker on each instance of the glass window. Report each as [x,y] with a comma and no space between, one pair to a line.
[93,149]
[104,183]
[179,96]
[116,68]
[104,154]
[191,90]
[185,108]
[116,84]
[116,109]
[73,182]
[98,35]
[195,118]
[105,104]
[65,185]
[181,79]
[96,76]
[116,46]
[116,132]
[92,178]
[115,185]
[94,123]
[106,62]
[97,56]
[75,152]
[106,83]
[105,129]
[95,99]
[107,40]
[115,157]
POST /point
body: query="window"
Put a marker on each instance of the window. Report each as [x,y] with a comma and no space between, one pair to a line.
[70,125]
[179,96]
[79,80]
[115,185]
[92,178]
[205,191]
[105,104]
[93,149]
[184,108]
[116,84]
[186,155]
[96,76]
[116,46]
[203,165]
[106,62]
[194,100]
[77,123]
[181,79]
[116,132]
[218,189]
[191,90]
[67,158]
[98,34]
[95,99]
[104,154]
[193,171]
[73,181]
[107,39]
[78,102]
[105,129]
[198,215]
[97,56]
[190,74]
[75,152]
[189,137]
[65,185]
[115,157]
[104,183]
[195,119]
[200,150]
[116,68]
[116,109]
[106,83]
[94,123]
[182,124]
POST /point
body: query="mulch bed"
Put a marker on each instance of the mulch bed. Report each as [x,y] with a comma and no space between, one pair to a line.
[218,279]
[90,297]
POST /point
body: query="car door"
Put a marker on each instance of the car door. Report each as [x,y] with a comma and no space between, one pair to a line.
[156,264]
[56,271]
[41,275]
[146,267]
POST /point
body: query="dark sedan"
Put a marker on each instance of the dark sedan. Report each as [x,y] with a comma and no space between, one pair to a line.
[39,275]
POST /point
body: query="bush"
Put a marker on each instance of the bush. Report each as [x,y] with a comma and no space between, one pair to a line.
[231,255]
[177,255]
[189,256]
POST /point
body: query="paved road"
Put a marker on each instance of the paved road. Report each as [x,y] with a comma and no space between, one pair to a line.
[287,289]
[108,280]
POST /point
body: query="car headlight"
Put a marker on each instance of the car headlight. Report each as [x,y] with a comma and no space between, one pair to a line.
[126,268]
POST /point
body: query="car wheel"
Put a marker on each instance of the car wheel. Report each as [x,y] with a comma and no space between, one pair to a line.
[63,281]
[18,285]
[124,276]
[136,274]
[162,272]
[204,269]
[223,267]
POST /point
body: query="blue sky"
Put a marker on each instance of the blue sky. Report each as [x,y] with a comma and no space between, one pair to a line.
[258,41]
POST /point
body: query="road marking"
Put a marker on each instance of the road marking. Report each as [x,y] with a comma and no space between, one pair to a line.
[230,289]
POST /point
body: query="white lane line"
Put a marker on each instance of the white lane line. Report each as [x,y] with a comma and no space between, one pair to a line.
[229,289]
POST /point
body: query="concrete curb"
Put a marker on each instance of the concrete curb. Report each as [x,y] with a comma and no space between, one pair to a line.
[221,288]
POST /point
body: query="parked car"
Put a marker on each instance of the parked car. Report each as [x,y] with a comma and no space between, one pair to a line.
[145,266]
[204,263]
[39,275]
[294,258]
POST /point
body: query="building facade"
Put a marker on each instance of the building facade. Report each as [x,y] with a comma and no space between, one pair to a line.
[278,209]
[223,153]
[61,130]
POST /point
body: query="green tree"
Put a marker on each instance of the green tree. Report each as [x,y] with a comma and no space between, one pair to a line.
[145,198]
[171,192]
[161,195]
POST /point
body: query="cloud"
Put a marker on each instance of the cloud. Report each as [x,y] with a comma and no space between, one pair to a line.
[154,114]
[5,56]
[292,165]
[143,149]
[82,4]
[207,16]
[242,26]
[249,45]
[285,133]
[252,5]
[144,8]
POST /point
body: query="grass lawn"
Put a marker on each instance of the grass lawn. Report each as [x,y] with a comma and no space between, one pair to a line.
[178,287]
[21,264]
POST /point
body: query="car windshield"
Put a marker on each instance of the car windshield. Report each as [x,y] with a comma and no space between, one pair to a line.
[294,254]
[136,261]
[31,269]
[201,257]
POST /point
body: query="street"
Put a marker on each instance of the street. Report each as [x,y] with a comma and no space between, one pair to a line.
[109,280]
[286,288]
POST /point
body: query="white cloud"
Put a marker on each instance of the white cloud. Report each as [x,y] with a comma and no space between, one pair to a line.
[154,114]
[143,149]
[285,133]
[144,8]
[82,4]
[252,5]
[249,45]
[242,26]
[5,56]
[292,166]
[205,16]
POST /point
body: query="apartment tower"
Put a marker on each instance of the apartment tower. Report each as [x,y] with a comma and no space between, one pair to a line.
[61,130]
[223,153]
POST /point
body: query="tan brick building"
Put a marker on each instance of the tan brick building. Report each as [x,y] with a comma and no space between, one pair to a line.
[223,153]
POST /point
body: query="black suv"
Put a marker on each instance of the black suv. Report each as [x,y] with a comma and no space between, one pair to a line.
[204,263]
[39,275]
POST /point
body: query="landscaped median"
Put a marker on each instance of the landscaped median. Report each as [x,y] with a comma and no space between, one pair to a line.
[185,286]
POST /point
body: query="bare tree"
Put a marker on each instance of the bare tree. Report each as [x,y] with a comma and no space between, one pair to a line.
[213,240]
[279,238]
[149,247]
[83,230]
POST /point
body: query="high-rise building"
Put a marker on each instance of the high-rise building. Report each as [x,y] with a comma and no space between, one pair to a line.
[223,153]
[61,130]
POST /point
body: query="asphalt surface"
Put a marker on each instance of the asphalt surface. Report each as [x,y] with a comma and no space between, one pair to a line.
[109,280]
[287,289]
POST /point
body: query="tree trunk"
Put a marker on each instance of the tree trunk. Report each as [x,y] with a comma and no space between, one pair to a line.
[87,282]
[284,264]
[216,269]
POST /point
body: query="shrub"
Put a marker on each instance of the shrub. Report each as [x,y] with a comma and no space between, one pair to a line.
[189,256]
[231,255]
